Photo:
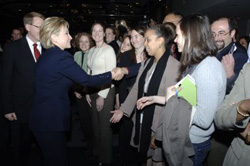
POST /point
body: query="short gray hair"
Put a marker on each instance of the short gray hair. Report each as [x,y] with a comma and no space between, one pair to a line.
[28,18]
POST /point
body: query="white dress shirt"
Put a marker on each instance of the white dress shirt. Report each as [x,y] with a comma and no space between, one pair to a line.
[30,43]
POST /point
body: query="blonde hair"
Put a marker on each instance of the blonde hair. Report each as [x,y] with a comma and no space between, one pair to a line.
[51,26]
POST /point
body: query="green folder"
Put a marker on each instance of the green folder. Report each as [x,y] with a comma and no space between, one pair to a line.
[188,89]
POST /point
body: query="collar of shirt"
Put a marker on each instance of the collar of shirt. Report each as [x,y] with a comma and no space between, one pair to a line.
[30,43]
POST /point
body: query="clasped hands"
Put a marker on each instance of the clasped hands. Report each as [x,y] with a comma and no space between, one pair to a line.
[118,73]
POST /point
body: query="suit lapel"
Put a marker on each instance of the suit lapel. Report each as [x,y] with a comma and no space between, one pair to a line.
[224,51]
[27,56]
[27,52]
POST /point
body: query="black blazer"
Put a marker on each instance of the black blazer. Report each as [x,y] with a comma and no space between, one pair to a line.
[127,82]
[17,87]
[55,73]
[115,46]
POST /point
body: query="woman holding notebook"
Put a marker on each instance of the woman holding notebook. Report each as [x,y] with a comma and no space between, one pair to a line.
[195,41]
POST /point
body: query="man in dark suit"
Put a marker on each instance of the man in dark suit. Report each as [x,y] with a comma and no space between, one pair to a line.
[224,30]
[19,59]
[4,128]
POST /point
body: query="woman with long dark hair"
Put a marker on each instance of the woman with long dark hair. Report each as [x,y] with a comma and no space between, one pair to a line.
[195,41]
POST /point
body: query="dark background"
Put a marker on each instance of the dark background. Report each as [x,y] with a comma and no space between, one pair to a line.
[81,14]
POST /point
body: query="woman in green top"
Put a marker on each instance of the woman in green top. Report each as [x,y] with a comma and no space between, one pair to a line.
[84,42]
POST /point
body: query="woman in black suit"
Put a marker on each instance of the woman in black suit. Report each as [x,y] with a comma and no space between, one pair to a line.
[55,72]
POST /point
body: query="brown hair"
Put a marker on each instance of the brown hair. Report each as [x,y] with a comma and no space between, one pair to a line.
[79,35]
[141,30]
[199,41]
[112,28]
[98,23]
[119,53]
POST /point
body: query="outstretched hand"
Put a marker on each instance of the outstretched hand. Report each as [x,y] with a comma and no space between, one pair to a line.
[117,115]
[145,101]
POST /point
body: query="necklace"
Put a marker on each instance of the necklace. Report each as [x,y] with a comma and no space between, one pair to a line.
[93,55]
[140,57]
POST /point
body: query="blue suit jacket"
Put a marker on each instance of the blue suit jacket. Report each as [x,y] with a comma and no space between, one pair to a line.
[240,58]
[55,72]
[133,70]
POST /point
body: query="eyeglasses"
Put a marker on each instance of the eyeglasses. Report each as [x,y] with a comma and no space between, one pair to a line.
[38,27]
[220,34]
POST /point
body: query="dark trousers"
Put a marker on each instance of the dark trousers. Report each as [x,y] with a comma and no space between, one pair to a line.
[85,120]
[102,131]
[127,152]
[53,147]
[4,140]
[21,141]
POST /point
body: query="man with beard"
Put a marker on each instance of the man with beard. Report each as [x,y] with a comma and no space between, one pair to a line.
[223,30]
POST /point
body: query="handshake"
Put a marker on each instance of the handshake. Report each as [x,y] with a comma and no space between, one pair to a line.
[118,73]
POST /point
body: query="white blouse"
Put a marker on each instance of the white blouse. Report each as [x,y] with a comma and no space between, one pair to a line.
[101,60]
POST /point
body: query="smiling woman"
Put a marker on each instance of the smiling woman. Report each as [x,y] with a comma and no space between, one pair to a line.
[101,59]
[62,40]
[155,75]
[55,72]
[59,36]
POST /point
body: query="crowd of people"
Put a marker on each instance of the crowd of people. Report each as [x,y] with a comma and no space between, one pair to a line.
[124,81]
